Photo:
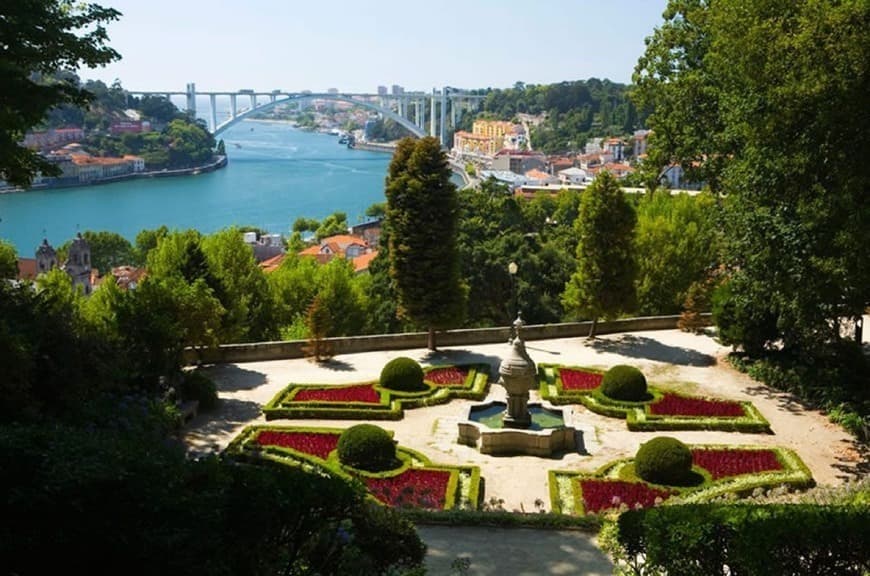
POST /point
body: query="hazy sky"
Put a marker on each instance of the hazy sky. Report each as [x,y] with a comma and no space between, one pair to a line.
[357,45]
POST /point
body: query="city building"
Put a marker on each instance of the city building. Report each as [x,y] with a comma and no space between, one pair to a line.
[640,141]
[77,264]
[518,161]
[47,139]
[265,246]
[487,137]
[347,246]
[382,90]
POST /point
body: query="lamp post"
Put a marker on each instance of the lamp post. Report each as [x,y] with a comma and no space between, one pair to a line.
[512,270]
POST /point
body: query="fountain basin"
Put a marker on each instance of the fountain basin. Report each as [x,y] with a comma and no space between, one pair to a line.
[551,431]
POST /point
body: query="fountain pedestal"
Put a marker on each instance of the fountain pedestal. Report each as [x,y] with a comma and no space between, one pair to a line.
[516,432]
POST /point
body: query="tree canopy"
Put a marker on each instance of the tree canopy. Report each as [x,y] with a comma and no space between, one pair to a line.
[766,101]
[38,38]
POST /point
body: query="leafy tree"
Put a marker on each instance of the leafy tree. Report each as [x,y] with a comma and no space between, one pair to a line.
[108,249]
[761,95]
[422,212]
[677,245]
[376,210]
[158,108]
[603,284]
[146,240]
[319,323]
[221,148]
[8,261]
[38,38]
[303,224]
[335,223]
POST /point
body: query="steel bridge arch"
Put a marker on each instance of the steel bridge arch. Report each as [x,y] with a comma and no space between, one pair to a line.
[410,126]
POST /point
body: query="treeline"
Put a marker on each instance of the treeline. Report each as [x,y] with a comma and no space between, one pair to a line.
[575,111]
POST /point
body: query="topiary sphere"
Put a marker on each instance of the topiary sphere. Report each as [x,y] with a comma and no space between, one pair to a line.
[624,383]
[403,374]
[367,447]
[664,460]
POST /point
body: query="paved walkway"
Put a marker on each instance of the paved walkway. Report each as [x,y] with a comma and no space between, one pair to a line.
[512,552]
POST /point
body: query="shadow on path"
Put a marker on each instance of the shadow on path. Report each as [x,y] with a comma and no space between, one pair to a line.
[784,400]
[649,349]
[231,378]
[337,365]
[230,414]
[514,551]
[853,460]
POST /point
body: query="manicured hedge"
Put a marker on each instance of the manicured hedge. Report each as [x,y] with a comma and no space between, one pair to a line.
[566,491]
[308,448]
[639,416]
[390,404]
[767,540]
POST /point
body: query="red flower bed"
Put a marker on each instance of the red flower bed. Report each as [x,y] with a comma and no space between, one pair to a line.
[675,405]
[318,444]
[603,494]
[416,487]
[361,393]
[579,379]
[448,376]
[734,462]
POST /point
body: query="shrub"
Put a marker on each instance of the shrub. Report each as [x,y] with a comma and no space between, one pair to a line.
[664,460]
[403,374]
[367,447]
[197,386]
[624,383]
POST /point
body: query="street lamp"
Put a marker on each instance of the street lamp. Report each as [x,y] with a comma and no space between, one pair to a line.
[512,270]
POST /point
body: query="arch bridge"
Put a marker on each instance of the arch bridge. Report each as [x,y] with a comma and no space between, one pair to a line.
[410,110]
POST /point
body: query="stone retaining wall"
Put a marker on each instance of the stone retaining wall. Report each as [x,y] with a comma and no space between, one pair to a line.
[260,351]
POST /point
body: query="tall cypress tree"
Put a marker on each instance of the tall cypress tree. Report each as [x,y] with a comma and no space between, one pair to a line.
[422,213]
[603,284]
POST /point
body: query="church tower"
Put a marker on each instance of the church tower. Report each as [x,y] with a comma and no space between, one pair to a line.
[46,257]
[78,263]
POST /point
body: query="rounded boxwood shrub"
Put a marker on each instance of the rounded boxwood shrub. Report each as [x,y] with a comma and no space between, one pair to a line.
[197,386]
[367,447]
[403,374]
[624,382]
[664,460]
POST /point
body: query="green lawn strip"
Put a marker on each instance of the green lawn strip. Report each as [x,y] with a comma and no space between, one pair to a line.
[463,487]
[637,414]
[566,495]
[391,403]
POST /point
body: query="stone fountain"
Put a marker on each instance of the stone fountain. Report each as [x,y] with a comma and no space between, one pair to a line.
[518,427]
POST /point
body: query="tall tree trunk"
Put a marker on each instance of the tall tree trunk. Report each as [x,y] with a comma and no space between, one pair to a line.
[592,328]
[431,343]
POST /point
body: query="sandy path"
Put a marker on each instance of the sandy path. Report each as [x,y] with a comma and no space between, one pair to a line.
[666,357]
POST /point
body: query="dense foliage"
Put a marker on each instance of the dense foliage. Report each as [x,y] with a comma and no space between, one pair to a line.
[757,98]
[403,374]
[663,460]
[768,540]
[623,382]
[367,447]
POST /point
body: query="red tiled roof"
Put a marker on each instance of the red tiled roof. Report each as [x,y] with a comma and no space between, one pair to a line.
[26,268]
[361,262]
[273,263]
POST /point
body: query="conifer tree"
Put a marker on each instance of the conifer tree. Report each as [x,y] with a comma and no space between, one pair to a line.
[603,284]
[422,213]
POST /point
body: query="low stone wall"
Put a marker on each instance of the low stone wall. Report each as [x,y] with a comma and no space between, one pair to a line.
[260,351]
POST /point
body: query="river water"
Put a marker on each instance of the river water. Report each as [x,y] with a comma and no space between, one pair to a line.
[275,175]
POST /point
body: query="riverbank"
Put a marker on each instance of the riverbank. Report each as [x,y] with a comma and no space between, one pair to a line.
[218,163]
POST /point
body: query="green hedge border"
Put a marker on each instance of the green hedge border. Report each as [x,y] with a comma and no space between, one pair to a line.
[794,474]
[392,403]
[244,448]
[637,415]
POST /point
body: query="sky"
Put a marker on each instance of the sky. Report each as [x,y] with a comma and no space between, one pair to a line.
[355,46]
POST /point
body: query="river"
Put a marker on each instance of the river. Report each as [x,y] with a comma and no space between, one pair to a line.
[275,174]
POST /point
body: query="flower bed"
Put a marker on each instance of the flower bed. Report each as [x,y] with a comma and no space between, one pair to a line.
[369,401]
[734,461]
[576,379]
[726,469]
[447,376]
[602,494]
[413,487]
[417,482]
[359,393]
[663,411]
[676,405]
[318,444]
